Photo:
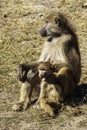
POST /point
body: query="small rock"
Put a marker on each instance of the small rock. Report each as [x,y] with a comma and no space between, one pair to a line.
[40,15]
[84,5]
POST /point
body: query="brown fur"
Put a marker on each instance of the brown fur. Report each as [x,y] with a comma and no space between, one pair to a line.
[61,47]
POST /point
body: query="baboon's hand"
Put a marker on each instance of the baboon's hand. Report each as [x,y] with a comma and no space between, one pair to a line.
[30,75]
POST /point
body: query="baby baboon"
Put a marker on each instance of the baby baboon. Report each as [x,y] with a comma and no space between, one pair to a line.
[61,47]
[51,91]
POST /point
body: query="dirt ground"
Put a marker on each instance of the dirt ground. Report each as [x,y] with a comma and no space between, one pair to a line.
[20,21]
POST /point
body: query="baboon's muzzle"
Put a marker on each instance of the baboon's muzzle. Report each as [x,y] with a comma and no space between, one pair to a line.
[43,32]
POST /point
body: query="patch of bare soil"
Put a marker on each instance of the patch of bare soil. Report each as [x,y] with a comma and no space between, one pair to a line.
[20,21]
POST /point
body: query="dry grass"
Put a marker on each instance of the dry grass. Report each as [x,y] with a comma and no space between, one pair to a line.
[20,41]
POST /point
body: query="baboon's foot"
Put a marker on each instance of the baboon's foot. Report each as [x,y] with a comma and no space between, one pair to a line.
[36,106]
[26,105]
[51,114]
[17,107]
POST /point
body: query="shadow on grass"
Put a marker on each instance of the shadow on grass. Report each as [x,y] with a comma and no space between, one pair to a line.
[79,97]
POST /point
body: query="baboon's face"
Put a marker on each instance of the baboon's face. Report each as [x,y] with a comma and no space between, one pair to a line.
[44,69]
[51,28]
[54,26]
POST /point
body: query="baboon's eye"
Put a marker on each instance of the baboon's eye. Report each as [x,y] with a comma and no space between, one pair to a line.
[42,69]
[46,21]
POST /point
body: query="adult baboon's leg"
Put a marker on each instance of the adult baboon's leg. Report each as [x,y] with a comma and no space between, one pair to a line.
[66,80]
[25,99]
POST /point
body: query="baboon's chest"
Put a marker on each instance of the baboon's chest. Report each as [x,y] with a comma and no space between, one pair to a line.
[55,52]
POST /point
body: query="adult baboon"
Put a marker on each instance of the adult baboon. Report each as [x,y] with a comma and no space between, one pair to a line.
[61,47]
